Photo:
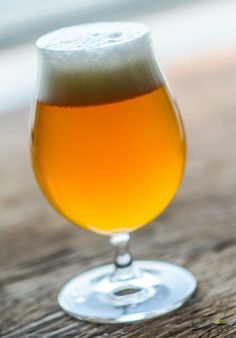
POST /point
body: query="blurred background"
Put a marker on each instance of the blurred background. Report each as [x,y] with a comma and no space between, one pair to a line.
[182,30]
[195,42]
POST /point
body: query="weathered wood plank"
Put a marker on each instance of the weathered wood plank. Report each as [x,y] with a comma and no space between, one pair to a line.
[40,250]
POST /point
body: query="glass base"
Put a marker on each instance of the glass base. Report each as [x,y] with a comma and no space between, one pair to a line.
[157,288]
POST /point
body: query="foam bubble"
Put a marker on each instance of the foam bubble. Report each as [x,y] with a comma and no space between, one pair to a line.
[96,63]
[92,36]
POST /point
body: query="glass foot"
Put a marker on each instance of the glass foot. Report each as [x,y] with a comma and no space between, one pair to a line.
[156,289]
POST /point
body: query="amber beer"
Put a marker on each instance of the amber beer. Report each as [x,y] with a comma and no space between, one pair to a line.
[109,157]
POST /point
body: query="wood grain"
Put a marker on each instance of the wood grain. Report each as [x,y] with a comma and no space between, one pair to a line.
[40,251]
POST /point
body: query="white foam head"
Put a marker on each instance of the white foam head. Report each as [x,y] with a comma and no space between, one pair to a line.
[96,63]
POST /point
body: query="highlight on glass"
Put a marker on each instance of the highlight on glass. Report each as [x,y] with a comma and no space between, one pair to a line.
[108,152]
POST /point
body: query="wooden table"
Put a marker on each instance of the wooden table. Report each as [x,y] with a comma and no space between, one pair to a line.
[40,251]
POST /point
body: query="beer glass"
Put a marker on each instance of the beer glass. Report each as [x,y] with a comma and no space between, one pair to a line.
[108,152]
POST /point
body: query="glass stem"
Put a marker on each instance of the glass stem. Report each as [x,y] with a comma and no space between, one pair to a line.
[124,269]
